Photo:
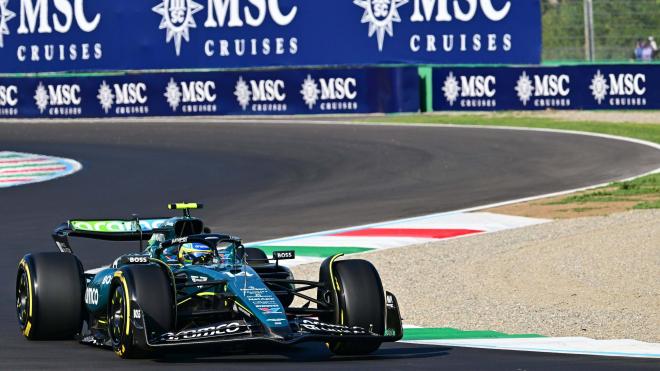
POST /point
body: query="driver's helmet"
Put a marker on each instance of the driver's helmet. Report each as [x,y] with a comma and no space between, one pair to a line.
[195,253]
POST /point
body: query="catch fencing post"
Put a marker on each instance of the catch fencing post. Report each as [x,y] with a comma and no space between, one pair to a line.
[589,47]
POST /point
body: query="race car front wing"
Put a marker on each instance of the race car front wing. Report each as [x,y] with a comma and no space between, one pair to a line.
[302,329]
[305,330]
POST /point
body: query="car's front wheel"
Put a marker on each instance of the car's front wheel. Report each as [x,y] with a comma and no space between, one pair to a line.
[360,302]
[140,294]
[119,324]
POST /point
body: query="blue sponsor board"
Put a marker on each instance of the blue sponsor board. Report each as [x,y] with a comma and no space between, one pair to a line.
[536,88]
[304,91]
[84,35]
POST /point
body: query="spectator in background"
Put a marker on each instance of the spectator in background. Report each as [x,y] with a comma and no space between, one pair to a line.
[638,50]
[647,52]
[654,47]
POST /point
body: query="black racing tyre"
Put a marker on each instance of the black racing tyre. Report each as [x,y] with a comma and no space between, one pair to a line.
[148,286]
[49,296]
[361,302]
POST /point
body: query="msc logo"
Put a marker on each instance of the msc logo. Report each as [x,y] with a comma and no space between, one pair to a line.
[177,19]
[547,90]
[130,97]
[473,90]
[196,96]
[63,99]
[262,95]
[624,89]
[5,16]
[36,12]
[335,93]
[131,93]
[178,16]
[381,15]
[8,99]
[477,86]
[255,17]
[47,17]
[442,14]
[8,95]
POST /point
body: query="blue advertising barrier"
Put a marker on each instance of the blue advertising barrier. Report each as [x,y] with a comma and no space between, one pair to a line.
[536,88]
[304,91]
[85,35]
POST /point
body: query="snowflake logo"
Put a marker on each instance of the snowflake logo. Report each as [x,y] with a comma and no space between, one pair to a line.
[524,88]
[242,93]
[173,94]
[41,97]
[105,97]
[5,16]
[177,20]
[381,15]
[599,87]
[310,91]
[451,89]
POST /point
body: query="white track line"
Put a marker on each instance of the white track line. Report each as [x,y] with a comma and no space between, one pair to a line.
[563,345]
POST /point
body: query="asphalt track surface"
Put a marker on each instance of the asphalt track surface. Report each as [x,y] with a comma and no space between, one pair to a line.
[264,181]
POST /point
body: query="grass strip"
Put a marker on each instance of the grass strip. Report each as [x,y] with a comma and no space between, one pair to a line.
[453,334]
[630,191]
[648,205]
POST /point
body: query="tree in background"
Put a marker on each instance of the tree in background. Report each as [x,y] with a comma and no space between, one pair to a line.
[618,24]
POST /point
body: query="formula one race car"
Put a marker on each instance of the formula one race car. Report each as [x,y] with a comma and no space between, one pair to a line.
[189,287]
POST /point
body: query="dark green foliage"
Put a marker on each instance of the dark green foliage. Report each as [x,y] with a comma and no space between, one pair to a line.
[618,24]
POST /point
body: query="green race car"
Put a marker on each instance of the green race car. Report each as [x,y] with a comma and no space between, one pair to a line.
[190,287]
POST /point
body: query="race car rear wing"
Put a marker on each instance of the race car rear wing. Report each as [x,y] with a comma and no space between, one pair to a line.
[106,229]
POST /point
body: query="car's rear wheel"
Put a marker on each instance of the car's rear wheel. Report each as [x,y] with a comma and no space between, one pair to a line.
[139,293]
[360,302]
[49,296]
